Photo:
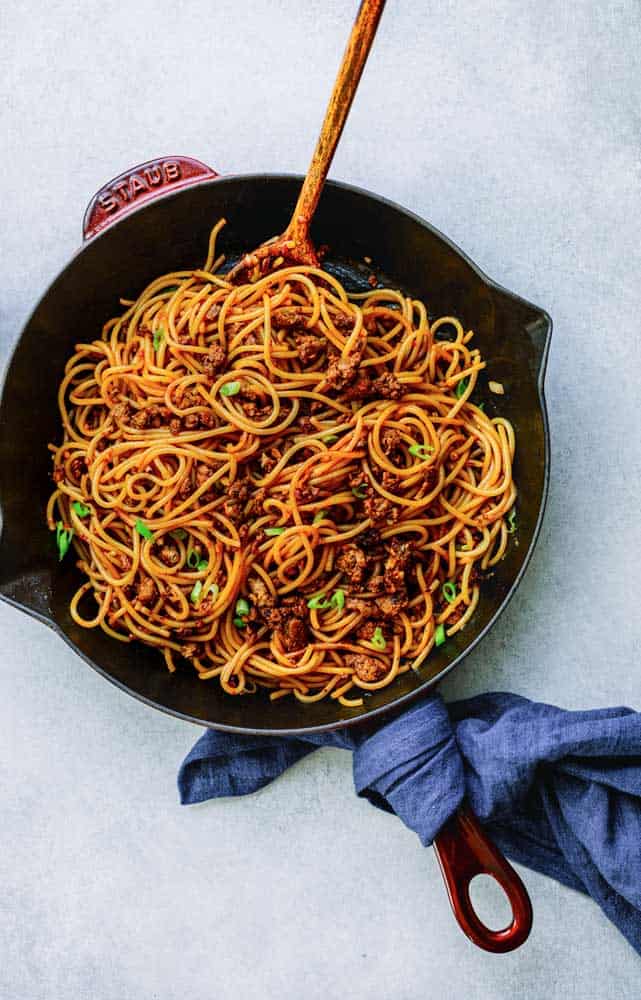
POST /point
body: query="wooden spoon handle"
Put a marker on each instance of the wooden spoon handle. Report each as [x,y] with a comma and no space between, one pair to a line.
[349,74]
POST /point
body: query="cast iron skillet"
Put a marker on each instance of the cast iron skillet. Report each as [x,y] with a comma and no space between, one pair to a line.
[156,218]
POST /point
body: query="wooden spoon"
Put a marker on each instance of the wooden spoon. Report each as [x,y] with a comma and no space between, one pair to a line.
[295,246]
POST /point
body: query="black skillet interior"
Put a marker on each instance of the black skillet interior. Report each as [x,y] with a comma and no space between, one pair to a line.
[172,234]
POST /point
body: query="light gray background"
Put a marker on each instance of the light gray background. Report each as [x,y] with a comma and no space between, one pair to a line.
[513,126]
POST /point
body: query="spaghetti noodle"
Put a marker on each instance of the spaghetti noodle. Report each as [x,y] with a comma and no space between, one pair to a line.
[284,484]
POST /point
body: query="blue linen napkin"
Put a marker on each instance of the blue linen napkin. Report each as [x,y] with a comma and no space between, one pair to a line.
[557,791]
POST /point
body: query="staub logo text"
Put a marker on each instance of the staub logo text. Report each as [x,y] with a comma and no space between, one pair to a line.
[124,191]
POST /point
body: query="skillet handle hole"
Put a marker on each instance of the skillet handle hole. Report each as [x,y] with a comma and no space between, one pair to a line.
[490,903]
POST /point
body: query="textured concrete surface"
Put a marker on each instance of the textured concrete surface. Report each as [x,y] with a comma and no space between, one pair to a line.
[513,125]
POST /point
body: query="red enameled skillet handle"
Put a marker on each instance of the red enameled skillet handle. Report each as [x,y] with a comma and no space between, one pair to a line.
[139,185]
[463,851]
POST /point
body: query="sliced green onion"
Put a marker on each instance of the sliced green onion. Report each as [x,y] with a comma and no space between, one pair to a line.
[239,623]
[449,591]
[143,530]
[63,540]
[461,386]
[180,534]
[202,565]
[481,407]
[214,590]
[378,639]
[439,635]
[230,389]
[318,603]
[172,288]
[196,591]
[193,559]
[159,336]
[81,509]
[272,532]
[511,521]
[358,491]
[330,439]
[338,599]
[242,607]
[319,517]
[421,450]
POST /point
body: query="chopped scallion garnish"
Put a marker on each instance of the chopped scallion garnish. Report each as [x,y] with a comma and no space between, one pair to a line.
[272,532]
[449,591]
[63,540]
[196,591]
[242,607]
[193,558]
[319,517]
[180,534]
[143,530]
[202,565]
[81,509]
[439,635]
[239,623]
[330,439]
[461,386]
[421,450]
[338,599]
[318,603]
[360,492]
[378,639]
[481,407]
[511,521]
[214,590]
[230,389]
[159,336]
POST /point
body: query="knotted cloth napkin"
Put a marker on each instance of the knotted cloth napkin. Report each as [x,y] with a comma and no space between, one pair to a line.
[557,791]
